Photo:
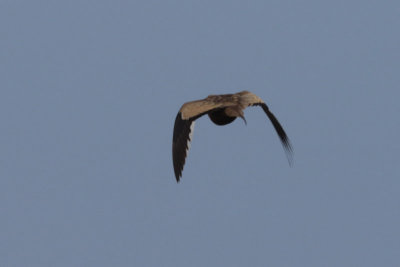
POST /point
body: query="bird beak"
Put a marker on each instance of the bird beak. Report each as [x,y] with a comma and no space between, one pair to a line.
[244,119]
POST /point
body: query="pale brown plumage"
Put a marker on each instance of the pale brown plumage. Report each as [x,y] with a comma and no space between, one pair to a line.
[222,110]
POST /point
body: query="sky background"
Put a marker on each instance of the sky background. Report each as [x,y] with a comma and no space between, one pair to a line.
[89,91]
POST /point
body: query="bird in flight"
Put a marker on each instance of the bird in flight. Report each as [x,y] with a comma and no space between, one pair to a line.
[222,110]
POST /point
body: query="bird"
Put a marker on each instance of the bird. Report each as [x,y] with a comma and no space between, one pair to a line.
[221,109]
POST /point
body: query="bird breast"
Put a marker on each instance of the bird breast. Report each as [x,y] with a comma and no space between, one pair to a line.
[219,117]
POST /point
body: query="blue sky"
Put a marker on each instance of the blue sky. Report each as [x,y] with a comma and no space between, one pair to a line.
[89,91]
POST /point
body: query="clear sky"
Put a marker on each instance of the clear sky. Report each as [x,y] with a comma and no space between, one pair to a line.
[89,91]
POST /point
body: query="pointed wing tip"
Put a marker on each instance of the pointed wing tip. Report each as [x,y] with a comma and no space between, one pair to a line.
[178,176]
[289,155]
[178,169]
[287,146]
[182,136]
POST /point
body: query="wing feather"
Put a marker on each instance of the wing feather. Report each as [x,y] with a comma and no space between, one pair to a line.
[250,99]
[182,136]
[199,107]
[184,125]
[280,131]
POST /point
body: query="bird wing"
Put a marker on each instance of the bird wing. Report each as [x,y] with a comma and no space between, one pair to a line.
[281,133]
[184,126]
[247,98]
[200,107]
[183,132]
[250,99]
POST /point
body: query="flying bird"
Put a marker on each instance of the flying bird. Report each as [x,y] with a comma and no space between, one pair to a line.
[222,110]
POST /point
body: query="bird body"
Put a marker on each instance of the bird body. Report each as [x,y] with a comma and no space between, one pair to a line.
[222,110]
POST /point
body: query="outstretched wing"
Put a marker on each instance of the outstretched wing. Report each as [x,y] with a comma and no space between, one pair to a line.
[183,132]
[184,125]
[250,99]
[200,107]
[279,130]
